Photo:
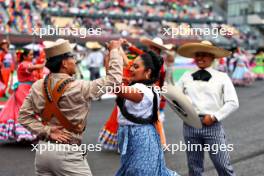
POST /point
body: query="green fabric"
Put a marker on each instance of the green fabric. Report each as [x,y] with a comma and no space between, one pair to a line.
[178,72]
[3,99]
[15,86]
[259,68]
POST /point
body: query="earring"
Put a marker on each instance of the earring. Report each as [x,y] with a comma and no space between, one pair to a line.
[146,76]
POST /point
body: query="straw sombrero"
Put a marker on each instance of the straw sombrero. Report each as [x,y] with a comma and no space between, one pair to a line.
[57,48]
[181,105]
[93,45]
[171,53]
[4,41]
[157,42]
[190,49]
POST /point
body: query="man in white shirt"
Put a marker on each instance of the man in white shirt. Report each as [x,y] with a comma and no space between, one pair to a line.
[214,98]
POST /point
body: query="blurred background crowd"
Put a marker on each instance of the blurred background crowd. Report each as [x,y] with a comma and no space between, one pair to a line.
[133,18]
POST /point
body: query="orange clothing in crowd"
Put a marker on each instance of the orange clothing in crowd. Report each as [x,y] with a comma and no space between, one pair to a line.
[5,70]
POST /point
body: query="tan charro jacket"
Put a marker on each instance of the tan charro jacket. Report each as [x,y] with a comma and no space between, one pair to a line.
[74,103]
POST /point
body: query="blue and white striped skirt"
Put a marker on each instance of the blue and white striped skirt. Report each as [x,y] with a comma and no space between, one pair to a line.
[141,152]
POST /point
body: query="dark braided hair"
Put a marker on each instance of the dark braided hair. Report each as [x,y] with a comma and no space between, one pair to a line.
[24,53]
[54,63]
[153,62]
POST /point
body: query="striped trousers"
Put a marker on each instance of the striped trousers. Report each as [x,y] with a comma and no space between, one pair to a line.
[211,137]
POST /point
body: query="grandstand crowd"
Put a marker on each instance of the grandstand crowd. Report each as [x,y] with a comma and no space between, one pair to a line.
[121,18]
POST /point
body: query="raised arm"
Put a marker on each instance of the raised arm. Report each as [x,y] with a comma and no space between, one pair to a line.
[130,93]
[35,67]
[113,78]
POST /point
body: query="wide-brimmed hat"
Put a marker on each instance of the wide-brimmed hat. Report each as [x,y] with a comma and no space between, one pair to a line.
[156,42]
[57,48]
[93,45]
[181,105]
[47,43]
[190,49]
[4,41]
[170,52]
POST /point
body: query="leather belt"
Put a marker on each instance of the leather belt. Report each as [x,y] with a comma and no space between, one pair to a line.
[73,141]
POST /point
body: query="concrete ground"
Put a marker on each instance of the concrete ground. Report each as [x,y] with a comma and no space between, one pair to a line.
[244,129]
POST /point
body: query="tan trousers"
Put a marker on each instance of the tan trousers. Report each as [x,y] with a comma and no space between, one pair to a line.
[61,160]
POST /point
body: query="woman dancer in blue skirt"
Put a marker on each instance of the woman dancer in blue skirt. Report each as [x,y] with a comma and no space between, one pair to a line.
[138,140]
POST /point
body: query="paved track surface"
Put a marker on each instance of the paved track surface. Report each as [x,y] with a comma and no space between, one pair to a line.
[244,129]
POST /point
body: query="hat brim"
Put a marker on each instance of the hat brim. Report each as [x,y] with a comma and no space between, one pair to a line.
[93,45]
[149,42]
[190,49]
[73,45]
[58,49]
[181,105]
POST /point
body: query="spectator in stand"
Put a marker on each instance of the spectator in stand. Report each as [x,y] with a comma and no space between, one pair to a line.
[95,60]
[7,64]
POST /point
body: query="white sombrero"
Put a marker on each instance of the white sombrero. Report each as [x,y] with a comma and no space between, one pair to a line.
[93,45]
[190,49]
[157,42]
[181,105]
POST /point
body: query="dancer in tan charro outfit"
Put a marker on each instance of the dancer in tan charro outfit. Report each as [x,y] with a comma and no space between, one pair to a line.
[62,104]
